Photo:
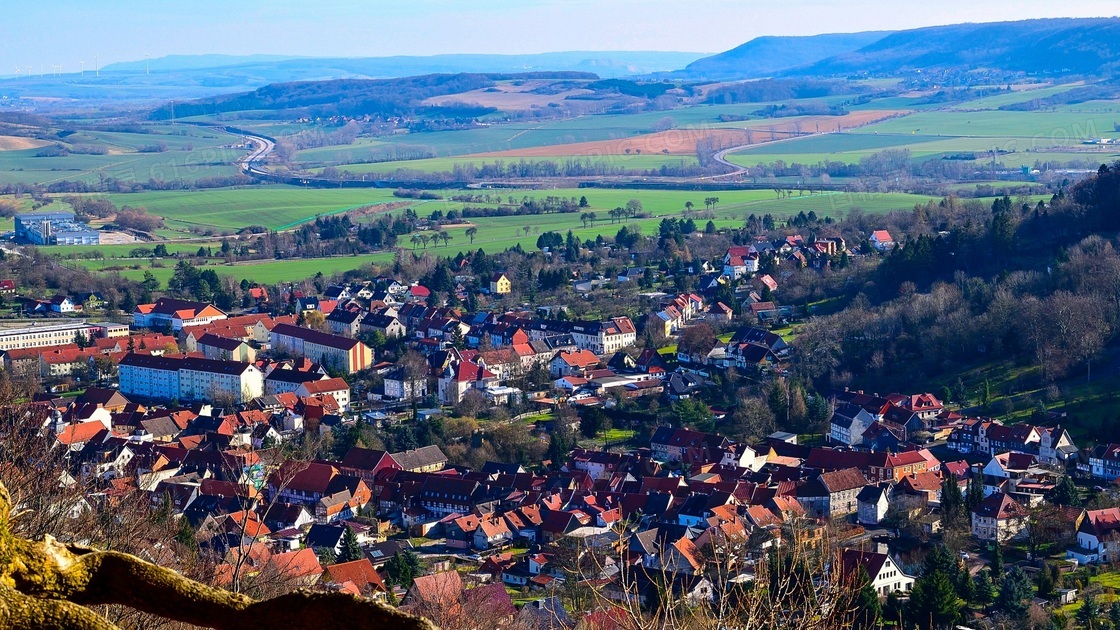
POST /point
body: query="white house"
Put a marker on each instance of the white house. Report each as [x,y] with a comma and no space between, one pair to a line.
[1098,537]
[998,518]
[886,576]
[874,501]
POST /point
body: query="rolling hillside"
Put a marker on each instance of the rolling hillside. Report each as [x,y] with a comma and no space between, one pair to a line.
[1055,46]
[766,56]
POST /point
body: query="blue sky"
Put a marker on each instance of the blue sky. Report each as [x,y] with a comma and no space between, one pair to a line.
[65,31]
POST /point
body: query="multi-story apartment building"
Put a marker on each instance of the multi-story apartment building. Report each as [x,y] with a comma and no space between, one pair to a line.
[343,353]
[172,378]
[56,335]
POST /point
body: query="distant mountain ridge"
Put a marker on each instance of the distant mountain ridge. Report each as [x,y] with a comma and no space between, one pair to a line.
[770,55]
[1050,46]
[1055,46]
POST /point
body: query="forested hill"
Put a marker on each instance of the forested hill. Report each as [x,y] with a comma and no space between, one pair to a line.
[1060,46]
[353,97]
[767,56]
[1053,46]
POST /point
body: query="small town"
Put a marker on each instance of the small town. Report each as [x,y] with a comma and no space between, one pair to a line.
[540,315]
[550,472]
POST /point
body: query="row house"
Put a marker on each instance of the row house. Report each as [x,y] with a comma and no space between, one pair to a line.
[444,496]
[885,466]
[1104,462]
[1054,446]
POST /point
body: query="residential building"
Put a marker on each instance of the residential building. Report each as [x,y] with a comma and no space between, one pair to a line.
[874,501]
[349,355]
[500,284]
[334,387]
[886,575]
[175,314]
[832,494]
[1098,537]
[999,518]
[224,349]
[167,378]
[461,377]
[1104,462]
[51,335]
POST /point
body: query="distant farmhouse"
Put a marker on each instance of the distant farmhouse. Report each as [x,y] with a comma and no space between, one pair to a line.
[54,228]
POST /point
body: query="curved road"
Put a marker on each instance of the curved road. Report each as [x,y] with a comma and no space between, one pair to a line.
[263,146]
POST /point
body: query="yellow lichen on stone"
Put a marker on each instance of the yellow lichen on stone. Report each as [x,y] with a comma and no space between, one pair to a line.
[47,584]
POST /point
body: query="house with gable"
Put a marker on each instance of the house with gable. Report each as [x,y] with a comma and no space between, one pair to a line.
[886,574]
[1098,537]
[832,494]
[999,518]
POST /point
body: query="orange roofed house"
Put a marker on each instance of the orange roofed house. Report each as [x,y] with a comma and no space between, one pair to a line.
[175,314]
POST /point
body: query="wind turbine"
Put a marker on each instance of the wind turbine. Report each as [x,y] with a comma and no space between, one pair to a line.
[97,64]
[17,72]
[83,67]
[146,69]
[57,69]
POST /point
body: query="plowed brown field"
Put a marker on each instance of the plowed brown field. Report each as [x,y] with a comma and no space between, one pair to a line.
[683,141]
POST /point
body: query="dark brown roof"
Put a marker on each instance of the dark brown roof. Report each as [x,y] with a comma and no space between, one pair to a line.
[314,336]
[841,480]
[1000,506]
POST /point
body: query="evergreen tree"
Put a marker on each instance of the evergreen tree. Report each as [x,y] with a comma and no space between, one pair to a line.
[975,494]
[985,591]
[403,568]
[997,562]
[1065,493]
[952,503]
[894,611]
[1045,583]
[933,602]
[1114,613]
[966,588]
[1014,591]
[351,550]
[185,535]
[940,559]
[867,609]
[1089,615]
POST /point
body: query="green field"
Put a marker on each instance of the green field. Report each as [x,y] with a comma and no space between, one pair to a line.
[280,207]
[232,209]
[445,164]
[266,272]
[192,153]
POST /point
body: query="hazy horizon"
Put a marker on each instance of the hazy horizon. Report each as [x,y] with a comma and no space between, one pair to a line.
[128,30]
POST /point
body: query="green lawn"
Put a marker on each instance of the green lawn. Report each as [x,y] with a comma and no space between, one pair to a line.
[618,435]
[231,209]
[266,272]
